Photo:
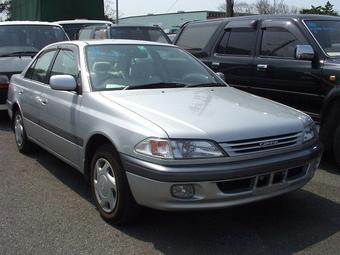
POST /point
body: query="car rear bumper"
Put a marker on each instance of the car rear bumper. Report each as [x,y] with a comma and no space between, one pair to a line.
[223,184]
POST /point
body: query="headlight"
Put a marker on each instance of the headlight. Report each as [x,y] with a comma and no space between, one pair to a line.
[309,133]
[178,149]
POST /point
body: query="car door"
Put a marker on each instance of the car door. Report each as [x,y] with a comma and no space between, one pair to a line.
[233,55]
[34,81]
[59,114]
[278,75]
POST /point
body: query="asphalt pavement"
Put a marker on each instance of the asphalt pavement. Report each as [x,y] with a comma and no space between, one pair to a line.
[46,208]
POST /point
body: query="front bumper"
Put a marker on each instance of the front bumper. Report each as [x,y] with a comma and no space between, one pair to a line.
[151,183]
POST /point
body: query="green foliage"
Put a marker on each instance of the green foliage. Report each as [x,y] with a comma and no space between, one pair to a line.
[6,9]
[328,9]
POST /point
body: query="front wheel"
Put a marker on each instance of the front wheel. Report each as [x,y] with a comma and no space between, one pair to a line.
[336,145]
[110,188]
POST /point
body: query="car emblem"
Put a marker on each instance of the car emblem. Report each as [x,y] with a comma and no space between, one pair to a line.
[270,143]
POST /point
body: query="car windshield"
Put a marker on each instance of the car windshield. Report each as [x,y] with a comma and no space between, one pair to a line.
[327,33]
[139,33]
[118,67]
[28,39]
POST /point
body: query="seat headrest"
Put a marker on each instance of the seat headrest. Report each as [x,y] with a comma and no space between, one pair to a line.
[102,67]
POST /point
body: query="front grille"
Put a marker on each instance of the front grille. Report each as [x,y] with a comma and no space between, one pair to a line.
[240,147]
[250,184]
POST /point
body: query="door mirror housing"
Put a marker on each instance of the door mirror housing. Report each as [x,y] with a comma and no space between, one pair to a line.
[221,75]
[304,52]
[63,82]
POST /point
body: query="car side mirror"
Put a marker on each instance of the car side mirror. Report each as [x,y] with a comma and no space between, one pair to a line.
[221,75]
[63,82]
[304,52]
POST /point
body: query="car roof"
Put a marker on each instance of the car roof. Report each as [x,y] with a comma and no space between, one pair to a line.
[81,21]
[124,25]
[269,16]
[111,42]
[28,23]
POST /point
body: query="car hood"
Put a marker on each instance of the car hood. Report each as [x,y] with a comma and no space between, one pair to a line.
[14,64]
[220,114]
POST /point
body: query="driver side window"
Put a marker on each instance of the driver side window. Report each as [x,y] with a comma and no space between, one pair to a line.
[65,63]
[278,42]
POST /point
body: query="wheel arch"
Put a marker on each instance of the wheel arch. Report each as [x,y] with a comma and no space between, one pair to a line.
[95,141]
[330,117]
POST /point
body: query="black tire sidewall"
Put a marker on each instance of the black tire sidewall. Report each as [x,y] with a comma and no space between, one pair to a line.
[336,145]
[123,196]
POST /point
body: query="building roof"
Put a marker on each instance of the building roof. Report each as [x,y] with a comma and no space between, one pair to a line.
[172,13]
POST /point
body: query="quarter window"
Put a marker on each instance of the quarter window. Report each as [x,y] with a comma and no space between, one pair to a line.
[278,42]
[238,41]
[197,36]
[39,71]
[65,63]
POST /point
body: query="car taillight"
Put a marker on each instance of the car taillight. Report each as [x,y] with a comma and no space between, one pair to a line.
[4,85]
[4,82]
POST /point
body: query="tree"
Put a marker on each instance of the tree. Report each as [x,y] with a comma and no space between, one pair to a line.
[328,9]
[262,7]
[6,9]
[274,7]
[230,7]
[109,11]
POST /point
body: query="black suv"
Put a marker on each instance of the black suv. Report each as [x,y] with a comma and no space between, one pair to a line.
[293,59]
[145,33]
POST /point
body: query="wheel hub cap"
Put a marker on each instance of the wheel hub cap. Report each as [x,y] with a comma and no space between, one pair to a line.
[105,185]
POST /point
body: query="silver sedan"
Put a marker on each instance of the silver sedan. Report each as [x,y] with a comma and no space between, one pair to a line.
[149,125]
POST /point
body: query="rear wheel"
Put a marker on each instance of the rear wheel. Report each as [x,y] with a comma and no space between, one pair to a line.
[24,145]
[110,188]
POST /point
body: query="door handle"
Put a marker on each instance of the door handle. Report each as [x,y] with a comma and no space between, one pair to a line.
[43,101]
[262,67]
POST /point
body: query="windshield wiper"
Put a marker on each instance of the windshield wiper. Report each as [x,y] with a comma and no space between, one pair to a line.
[159,85]
[205,85]
[20,53]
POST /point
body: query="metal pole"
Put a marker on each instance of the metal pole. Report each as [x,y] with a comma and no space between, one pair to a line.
[117,15]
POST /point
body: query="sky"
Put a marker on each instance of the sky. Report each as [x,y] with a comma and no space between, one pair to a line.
[139,7]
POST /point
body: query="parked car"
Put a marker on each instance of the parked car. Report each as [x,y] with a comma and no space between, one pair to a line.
[19,42]
[293,59]
[72,27]
[146,33]
[150,125]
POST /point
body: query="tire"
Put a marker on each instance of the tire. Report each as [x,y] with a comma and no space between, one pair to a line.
[24,145]
[336,146]
[110,188]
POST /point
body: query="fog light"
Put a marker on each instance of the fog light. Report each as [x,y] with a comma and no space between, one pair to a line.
[185,191]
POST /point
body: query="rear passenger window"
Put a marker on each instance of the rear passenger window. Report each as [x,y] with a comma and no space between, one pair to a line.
[100,33]
[39,71]
[197,36]
[238,41]
[65,63]
[85,34]
[157,36]
[278,42]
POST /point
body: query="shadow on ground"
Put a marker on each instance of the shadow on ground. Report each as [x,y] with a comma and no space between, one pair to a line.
[282,225]
[4,121]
